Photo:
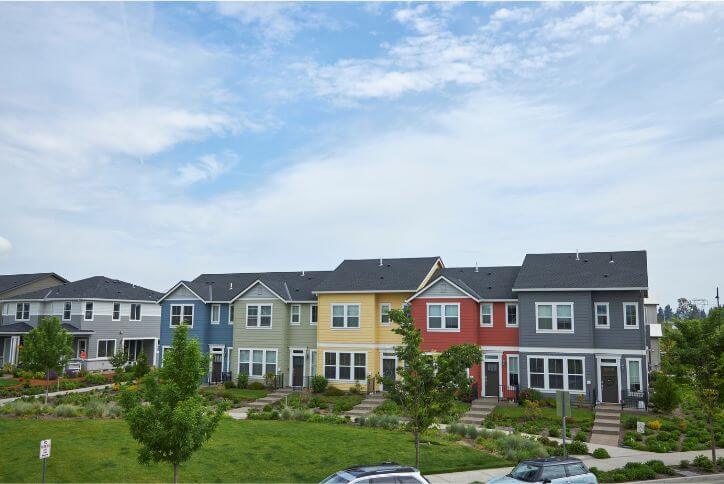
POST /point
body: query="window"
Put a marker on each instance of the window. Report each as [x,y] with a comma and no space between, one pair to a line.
[556,373]
[106,348]
[345,365]
[536,370]
[22,311]
[312,362]
[345,315]
[575,374]
[295,315]
[486,314]
[135,312]
[182,314]
[88,316]
[513,371]
[231,314]
[385,314]
[633,370]
[116,316]
[133,348]
[257,362]
[602,320]
[511,314]
[67,305]
[215,314]
[164,351]
[554,317]
[443,317]
[258,315]
[549,473]
[576,469]
[630,315]
[313,314]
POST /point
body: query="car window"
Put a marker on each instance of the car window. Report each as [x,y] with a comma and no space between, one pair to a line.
[379,480]
[576,469]
[524,472]
[407,480]
[335,479]
[548,473]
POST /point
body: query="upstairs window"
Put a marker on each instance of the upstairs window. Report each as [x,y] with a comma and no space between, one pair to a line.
[88,316]
[486,315]
[602,319]
[313,314]
[231,314]
[67,305]
[259,316]
[135,312]
[385,314]
[182,314]
[345,315]
[511,315]
[215,313]
[554,317]
[116,315]
[443,317]
[22,311]
[295,317]
[630,315]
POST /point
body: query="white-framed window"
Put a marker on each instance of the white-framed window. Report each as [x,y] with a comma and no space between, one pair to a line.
[633,372]
[295,315]
[313,311]
[164,350]
[345,316]
[513,371]
[106,348]
[312,362]
[135,312]
[486,315]
[231,314]
[511,315]
[215,313]
[554,317]
[259,316]
[67,306]
[557,373]
[88,313]
[602,317]
[116,314]
[443,317]
[630,315]
[257,362]
[22,311]
[182,314]
[344,365]
[385,314]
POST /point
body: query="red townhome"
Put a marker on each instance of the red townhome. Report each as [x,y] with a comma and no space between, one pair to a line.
[474,305]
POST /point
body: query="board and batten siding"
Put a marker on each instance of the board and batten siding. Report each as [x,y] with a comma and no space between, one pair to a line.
[442,289]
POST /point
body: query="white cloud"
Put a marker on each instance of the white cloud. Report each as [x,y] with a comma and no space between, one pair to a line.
[5,246]
[208,168]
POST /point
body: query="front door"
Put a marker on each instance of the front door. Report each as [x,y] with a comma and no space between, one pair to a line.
[216,368]
[492,382]
[389,369]
[609,384]
[82,349]
[297,370]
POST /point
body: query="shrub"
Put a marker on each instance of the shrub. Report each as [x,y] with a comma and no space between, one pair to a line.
[22,408]
[343,406]
[66,410]
[636,471]
[356,389]
[703,462]
[456,428]
[532,409]
[471,432]
[95,379]
[577,447]
[384,421]
[95,408]
[229,384]
[684,464]
[527,394]
[720,462]
[69,385]
[333,392]
[601,453]
[114,410]
[654,424]
[256,385]
[319,383]
[665,395]
[242,380]
[660,468]
[141,368]
[515,448]
[580,436]
[270,380]
[554,432]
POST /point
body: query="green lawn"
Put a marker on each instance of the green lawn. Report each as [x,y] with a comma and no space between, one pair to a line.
[237,395]
[103,451]
[516,416]
[388,407]
[332,403]
[8,382]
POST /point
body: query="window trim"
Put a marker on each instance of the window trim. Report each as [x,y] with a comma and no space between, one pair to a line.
[182,306]
[641,376]
[312,320]
[608,315]
[443,324]
[389,308]
[140,312]
[337,365]
[299,315]
[251,360]
[492,311]
[230,316]
[258,324]
[507,369]
[346,316]
[22,311]
[98,346]
[546,373]
[163,354]
[554,317]
[70,311]
[216,320]
[629,326]
[113,312]
[517,321]
[85,310]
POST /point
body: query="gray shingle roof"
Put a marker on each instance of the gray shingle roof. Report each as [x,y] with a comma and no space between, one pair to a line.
[592,270]
[367,275]
[97,287]
[15,328]
[291,286]
[485,282]
[11,281]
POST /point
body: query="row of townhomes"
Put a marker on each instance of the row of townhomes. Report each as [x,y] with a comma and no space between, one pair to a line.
[575,321]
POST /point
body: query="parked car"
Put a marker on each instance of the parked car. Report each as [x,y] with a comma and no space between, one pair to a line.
[551,470]
[384,473]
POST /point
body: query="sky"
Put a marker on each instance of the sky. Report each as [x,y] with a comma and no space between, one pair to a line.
[154,142]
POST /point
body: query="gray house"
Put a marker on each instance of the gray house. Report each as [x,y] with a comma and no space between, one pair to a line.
[104,315]
[14,284]
[582,324]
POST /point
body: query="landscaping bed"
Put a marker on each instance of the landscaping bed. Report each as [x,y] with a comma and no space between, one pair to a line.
[237,396]
[333,401]
[21,386]
[389,407]
[91,404]
[520,418]
[656,469]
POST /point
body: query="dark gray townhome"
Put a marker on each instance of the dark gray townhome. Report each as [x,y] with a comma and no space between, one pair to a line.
[582,324]
[104,315]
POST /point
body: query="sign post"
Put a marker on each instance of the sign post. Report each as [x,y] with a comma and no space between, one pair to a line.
[563,409]
[44,454]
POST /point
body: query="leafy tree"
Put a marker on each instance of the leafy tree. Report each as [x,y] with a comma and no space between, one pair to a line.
[141,367]
[686,309]
[695,355]
[428,385]
[47,347]
[118,360]
[668,313]
[660,315]
[167,415]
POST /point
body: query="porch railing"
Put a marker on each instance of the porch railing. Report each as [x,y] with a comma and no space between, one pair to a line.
[506,393]
[634,399]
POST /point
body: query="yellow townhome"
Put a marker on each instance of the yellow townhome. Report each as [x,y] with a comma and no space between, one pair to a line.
[354,333]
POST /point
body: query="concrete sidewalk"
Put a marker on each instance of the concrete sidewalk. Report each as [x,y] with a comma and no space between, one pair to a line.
[55,394]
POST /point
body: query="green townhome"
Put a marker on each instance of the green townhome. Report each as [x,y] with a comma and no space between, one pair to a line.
[275,327]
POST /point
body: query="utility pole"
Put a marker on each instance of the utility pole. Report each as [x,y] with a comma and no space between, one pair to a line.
[717,297]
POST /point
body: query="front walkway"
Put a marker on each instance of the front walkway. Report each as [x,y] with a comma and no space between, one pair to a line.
[55,394]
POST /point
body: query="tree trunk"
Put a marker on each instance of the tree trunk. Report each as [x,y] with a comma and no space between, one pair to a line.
[417,449]
[175,473]
[712,436]
[47,385]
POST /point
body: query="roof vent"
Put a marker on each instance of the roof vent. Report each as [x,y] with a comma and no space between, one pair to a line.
[490,287]
[302,272]
[381,263]
[610,261]
[231,286]
[476,267]
[577,256]
[605,275]
[490,273]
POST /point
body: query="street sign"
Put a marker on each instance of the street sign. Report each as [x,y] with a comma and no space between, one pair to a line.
[44,449]
[563,402]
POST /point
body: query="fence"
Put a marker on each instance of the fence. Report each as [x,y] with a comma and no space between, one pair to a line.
[634,399]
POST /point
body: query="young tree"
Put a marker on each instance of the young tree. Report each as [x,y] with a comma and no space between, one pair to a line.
[695,355]
[47,347]
[118,360]
[167,416]
[428,385]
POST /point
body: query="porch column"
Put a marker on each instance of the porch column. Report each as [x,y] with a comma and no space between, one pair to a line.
[155,351]
[14,344]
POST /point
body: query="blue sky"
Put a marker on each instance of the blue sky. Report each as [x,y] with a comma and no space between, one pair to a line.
[153,142]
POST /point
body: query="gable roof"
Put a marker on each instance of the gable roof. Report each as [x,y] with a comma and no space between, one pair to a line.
[591,270]
[481,283]
[367,275]
[13,281]
[96,287]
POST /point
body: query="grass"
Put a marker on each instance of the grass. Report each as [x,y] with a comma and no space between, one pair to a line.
[240,451]
[518,418]
[236,395]
[333,403]
[8,382]
[388,407]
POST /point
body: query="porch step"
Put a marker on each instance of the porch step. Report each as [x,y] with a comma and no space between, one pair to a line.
[366,406]
[604,430]
[479,409]
[606,424]
[270,399]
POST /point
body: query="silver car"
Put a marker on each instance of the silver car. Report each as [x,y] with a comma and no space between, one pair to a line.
[384,473]
[553,470]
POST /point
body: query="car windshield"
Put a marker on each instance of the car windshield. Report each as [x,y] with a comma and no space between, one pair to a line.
[336,478]
[524,472]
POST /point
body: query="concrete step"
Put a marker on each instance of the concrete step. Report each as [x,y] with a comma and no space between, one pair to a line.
[475,413]
[606,425]
[603,439]
[604,430]
[607,419]
[470,421]
[607,414]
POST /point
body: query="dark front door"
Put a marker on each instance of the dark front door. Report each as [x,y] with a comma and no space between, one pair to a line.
[491,380]
[389,368]
[609,384]
[216,369]
[297,370]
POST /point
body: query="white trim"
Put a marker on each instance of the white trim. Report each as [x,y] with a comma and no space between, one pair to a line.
[113,310]
[627,326]
[507,305]
[229,318]
[351,367]
[443,319]
[498,300]
[248,288]
[263,361]
[345,316]
[367,346]
[258,316]
[299,315]
[77,347]
[389,307]
[312,321]
[581,351]
[163,353]
[546,372]
[599,364]
[170,291]
[641,376]
[216,349]
[374,291]
[497,358]
[499,348]
[507,369]
[85,311]
[382,358]
[430,284]
[70,311]
[492,311]
[595,315]
[228,359]
[216,306]
[98,345]
[544,289]
[140,312]
[291,362]
[554,318]
[181,316]
[22,311]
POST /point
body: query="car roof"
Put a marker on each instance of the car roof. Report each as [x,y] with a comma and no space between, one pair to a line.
[375,469]
[550,461]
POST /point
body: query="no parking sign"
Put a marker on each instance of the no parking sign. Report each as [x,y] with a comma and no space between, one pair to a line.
[44,449]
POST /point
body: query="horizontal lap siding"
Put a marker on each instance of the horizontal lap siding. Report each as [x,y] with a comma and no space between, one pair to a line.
[262,338]
[442,340]
[617,336]
[582,320]
[499,334]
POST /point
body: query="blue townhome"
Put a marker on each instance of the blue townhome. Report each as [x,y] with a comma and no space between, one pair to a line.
[582,324]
